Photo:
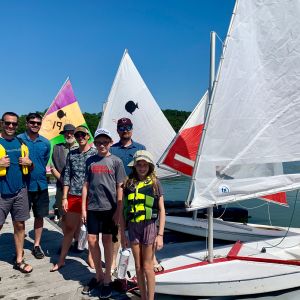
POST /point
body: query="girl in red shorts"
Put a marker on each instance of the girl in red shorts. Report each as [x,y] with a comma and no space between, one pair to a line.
[143,205]
[73,182]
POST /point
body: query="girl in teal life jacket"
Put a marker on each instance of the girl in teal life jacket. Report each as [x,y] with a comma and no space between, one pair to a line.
[143,206]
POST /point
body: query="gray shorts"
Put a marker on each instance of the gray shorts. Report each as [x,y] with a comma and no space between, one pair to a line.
[16,205]
[143,232]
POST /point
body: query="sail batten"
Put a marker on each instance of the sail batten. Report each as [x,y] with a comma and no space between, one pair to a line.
[251,146]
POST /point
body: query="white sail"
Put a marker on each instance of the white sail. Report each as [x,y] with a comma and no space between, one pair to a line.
[130,98]
[252,143]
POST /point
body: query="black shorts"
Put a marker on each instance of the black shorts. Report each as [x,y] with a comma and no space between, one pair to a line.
[100,222]
[39,202]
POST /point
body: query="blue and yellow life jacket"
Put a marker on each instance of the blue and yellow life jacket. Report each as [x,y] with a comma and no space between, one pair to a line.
[140,202]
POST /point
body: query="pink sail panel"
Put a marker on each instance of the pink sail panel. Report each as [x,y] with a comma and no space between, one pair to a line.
[64,97]
[182,154]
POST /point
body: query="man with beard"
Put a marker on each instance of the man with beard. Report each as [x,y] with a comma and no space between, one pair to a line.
[59,155]
[37,185]
[13,192]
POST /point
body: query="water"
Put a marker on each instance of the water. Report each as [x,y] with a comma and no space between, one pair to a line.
[260,212]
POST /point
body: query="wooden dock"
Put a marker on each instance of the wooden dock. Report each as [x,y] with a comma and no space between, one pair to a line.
[65,284]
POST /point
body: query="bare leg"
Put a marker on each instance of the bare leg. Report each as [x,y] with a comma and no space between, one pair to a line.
[147,252]
[116,248]
[19,235]
[77,231]
[107,245]
[90,261]
[137,254]
[38,229]
[96,255]
[71,222]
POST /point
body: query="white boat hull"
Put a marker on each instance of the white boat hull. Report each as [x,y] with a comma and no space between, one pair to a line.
[184,275]
[227,231]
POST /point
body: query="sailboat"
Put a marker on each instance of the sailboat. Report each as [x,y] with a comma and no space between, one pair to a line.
[130,98]
[243,155]
[180,156]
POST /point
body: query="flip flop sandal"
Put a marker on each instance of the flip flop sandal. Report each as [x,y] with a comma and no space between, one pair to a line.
[158,268]
[21,266]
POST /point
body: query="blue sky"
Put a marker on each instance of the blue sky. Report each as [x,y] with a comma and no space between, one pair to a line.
[44,42]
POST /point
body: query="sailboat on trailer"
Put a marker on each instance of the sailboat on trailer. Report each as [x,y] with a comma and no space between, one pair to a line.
[250,148]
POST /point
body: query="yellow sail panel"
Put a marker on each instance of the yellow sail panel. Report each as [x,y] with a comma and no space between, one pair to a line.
[53,123]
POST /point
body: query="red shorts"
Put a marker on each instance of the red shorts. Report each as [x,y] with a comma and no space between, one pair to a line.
[74,203]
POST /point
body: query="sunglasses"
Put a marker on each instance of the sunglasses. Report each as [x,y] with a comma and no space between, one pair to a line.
[80,135]
[7,123]
[125,128]
[38,123]
[97,144]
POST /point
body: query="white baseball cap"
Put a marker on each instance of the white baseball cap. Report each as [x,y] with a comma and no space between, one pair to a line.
[102,131]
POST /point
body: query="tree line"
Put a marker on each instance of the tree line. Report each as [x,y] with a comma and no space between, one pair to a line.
[175,117]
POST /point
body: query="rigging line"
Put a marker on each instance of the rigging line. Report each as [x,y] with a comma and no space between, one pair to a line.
[222,212]
[288,229]
[254,207]
[269,215]
[222,42]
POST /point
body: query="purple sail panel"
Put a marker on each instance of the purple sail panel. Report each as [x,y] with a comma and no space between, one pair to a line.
[65,97]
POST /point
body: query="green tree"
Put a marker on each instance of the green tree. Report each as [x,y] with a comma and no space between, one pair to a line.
[92,121]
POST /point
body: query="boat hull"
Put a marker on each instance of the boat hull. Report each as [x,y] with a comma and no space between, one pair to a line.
[227,231]
[230,288]
[229,275]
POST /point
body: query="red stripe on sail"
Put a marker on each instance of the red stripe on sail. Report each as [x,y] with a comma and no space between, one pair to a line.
[278,198]
[186,145]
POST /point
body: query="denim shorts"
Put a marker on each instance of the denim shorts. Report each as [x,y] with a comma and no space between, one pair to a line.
[143,232]
[16,205]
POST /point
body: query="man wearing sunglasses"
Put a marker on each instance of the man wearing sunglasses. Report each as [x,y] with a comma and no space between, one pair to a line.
[125,149]
[13,192]
[39,153]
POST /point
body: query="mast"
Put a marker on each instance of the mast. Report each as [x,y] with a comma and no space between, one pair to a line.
[210,89]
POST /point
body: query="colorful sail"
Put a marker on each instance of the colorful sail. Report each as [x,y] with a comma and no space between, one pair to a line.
[63,110]
[130,98]
[181,154]
[251,146]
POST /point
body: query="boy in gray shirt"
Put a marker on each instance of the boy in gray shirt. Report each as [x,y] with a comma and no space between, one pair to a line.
[102,211]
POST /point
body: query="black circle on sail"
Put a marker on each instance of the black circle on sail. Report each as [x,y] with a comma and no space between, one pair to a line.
[61,114]
[130,106]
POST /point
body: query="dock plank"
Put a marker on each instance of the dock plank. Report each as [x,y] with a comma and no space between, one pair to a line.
[41,283]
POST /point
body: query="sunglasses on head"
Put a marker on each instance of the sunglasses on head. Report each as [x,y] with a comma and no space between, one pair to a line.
[38,123]
[7,123]
[125,128]
[80,134]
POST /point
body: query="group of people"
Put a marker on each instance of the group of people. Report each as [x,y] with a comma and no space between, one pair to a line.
[112,188]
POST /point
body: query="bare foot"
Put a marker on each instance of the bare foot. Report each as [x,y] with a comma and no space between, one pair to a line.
[56,267]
